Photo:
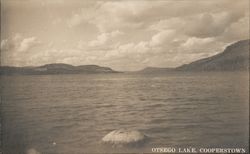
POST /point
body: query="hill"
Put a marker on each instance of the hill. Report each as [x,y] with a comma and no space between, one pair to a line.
[234,58]
[149,70]
[55,68]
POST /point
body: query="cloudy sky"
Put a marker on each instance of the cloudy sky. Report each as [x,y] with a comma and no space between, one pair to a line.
[121,34]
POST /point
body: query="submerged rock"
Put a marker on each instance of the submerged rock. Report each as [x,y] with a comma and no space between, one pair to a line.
[124,137]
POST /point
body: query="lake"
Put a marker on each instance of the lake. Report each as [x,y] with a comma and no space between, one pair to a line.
[71,113]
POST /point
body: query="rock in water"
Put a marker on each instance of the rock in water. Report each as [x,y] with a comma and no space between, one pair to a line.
[123,137]
[32,151]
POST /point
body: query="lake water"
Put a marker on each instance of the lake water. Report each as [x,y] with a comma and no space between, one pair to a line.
[71,113]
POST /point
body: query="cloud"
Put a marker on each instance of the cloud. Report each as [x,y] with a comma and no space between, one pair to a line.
[46,2]
[53,55]
[110,15]
[27,43]
[136,14]
[162,37]
[209,24]
[19,44]
[200,25]
[83,15]
[201,45]
[128,50]
[125,34]
[193,41]
[104,38]
[236,31]
[102,41]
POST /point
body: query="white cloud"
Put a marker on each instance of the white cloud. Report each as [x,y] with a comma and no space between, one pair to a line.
[27,43]
[164,24]
[129,33]
[19,44]
[203,46]
[84,15]
[208,24]
[163,37]
[194,42]
[53,55]
[237,30]
[101,40]
[104,38]
[47,2]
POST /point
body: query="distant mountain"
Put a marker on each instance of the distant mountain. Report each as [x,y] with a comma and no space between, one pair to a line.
[56,68]
[234,58]
[149,70]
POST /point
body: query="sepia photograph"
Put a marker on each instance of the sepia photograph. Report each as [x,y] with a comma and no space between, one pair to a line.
[124,76]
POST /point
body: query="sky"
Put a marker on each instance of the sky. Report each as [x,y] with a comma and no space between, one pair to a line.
[125,35]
